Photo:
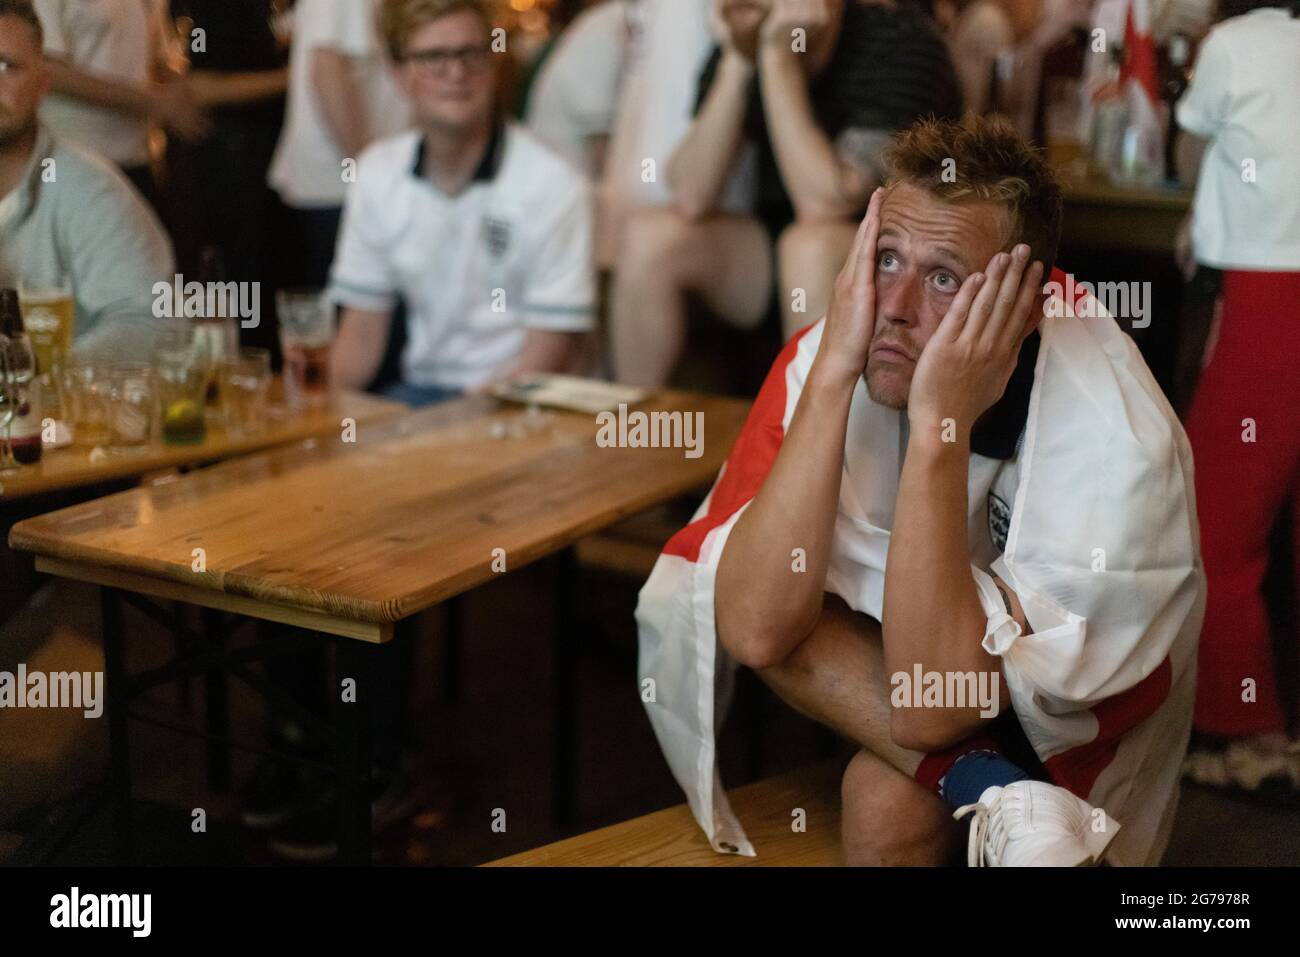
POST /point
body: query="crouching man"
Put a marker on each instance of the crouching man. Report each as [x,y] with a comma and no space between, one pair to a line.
[951,474]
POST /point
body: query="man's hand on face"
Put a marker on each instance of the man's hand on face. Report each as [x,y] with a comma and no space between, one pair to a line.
[736,24]
[851,315]
[964,368]
[788,15]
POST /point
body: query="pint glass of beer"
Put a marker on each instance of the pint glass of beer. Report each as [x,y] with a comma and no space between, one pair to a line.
[306,333]
[48,315]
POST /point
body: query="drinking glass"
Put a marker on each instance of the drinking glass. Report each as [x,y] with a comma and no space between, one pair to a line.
[306,321]
[245,385]
[87,394]
[182,372]
[49,312]
[131,412]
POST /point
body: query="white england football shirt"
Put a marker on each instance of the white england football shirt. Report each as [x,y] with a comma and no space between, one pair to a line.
[509,253]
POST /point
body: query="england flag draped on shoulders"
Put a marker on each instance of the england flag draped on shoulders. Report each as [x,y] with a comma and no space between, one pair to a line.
[1100,544]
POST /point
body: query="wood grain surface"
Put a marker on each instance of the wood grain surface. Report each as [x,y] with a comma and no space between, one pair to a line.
[73,467]
[671,838]
[416,510]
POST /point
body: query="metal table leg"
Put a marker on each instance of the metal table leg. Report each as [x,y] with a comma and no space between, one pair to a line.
[565,640]
[352,723]
[214,695]
[118,695]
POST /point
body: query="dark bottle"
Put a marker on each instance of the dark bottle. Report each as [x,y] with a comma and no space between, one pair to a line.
[24,431]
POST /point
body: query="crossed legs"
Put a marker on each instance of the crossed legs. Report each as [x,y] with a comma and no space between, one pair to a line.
[837,677]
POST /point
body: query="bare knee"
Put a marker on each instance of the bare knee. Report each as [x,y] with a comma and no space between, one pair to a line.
[889,820]
[810,255]
[657,242]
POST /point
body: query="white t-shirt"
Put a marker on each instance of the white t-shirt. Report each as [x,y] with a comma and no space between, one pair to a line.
[1243,100]
[307,170]
[115,39]
[577,88]
[509,253]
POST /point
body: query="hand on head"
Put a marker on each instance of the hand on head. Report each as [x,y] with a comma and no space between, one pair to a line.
[965,367]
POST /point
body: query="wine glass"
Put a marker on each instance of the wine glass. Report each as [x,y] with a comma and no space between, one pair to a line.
[21,375]
[8,404]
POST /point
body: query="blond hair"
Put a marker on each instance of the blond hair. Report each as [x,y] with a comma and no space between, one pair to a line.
[398,19]
[984,158]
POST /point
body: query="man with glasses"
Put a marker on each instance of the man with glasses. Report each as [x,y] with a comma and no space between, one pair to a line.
[478,227]
[484,235]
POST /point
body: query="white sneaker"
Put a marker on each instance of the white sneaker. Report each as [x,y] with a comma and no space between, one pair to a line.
[1035,824]
[1246,763]
[1252,761]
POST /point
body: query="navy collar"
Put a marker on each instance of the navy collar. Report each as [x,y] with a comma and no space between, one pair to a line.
[487,167]
[997,433]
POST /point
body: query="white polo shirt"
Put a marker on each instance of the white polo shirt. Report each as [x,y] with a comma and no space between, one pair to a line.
[1243,100]
[509,253]
[115,39]
[307,169]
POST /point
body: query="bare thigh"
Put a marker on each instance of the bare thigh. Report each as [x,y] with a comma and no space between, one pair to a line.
[727,260]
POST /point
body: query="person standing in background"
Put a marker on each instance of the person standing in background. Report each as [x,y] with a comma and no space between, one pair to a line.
[571,105]
[341,98]
[238,72]
[113,77]
[1242,424]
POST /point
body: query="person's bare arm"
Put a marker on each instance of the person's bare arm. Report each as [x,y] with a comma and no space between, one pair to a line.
[763,608]
[228,89]
[544,351]
[932,615]
[698,168]
[822,185]
[359,347]
[98,90]
[172,104]
[340,99]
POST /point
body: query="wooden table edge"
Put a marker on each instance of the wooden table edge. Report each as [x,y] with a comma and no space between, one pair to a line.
[119,468]
[156,587]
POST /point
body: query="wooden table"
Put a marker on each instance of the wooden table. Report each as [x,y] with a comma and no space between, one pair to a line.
[1099,215]
[350,539]
[72,467]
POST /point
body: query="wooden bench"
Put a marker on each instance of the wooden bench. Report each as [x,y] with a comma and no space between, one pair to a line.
[672,838]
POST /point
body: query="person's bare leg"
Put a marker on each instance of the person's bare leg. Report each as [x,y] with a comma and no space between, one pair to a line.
[725,258]
[809,257]
[887,819]
[836,676]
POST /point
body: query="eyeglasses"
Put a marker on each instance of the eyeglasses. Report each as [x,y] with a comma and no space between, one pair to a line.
[438,61]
